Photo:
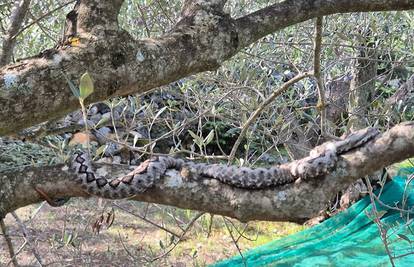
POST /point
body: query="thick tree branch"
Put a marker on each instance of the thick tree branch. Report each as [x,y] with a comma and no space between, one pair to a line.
[35,90]
[294,202]
[118,64]
[281,15]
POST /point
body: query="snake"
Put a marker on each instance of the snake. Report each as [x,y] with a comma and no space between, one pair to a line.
[321,160]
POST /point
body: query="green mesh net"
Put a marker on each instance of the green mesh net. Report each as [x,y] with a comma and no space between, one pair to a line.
[351,238]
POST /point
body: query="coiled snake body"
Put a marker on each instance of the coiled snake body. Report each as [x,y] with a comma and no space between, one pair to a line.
[319,162]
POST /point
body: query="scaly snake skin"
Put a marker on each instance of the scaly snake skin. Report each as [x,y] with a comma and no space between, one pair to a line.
[320,161]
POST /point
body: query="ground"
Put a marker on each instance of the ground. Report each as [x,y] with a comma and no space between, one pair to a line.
[65,236]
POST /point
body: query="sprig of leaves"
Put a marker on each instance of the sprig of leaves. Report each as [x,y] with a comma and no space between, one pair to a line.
[85,89]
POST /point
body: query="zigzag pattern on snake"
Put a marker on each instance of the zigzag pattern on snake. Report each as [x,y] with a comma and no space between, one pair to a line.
[319,162]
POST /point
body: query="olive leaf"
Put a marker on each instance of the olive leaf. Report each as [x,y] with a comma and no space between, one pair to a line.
[85,86]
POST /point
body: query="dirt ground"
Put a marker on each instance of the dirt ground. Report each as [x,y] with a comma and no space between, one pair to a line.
[96,232]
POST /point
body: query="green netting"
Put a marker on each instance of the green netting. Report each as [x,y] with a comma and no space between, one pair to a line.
[350,238]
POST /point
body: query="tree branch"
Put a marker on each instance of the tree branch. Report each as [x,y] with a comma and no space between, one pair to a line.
[281,15]
[17,17]
[35,90]
[293,202]
[119,65]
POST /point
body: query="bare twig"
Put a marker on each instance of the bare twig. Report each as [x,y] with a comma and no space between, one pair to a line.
[259,110]
[144,20]
[234,241]
[377,219]
[210,224]
[9,243]
[148,221]
[42,17]
[126,249]
[181,237]
[317,72]
[161,6]
[241,233]
[28,238]
[18,252]
[42,28]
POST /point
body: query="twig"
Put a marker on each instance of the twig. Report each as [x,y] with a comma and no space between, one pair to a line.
[9,243]
[210,225]
[42,17]
[172,216]
[18,252]
[125,248]
[403,255]
[42,28]
[144,20]
[264,105]
[189,225]
[161,6]
[377,220]
[148,221]
[28,238]
[391,207]
[241,233]
[321,106]
[234,241]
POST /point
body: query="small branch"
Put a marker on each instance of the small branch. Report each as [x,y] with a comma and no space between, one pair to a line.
[321,106]
[148,221]
[272,18]
[42,28]
[377,219]
[259,110]
[234,241]
[42,17]
[9,243]
[180,238]
[28,238]
[18,252]
[17,17]
[144,19]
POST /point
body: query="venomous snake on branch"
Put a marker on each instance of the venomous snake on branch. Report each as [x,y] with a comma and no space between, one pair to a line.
[320,161]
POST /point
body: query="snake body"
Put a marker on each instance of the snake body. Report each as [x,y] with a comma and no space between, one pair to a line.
[320,161]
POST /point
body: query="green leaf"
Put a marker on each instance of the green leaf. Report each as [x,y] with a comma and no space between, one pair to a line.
[102,121]
[159,113]
[404,237]
[209,138]
[68,239]
[381,213]
[197,139]
[86,86]
[100,151]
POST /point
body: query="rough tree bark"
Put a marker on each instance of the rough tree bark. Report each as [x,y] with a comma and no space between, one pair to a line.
[295,202]
[35,90]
